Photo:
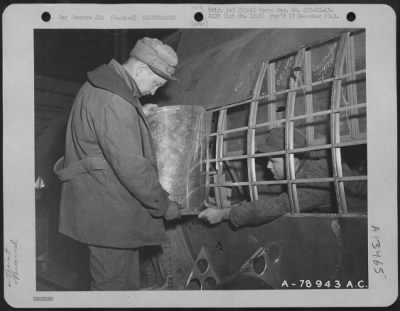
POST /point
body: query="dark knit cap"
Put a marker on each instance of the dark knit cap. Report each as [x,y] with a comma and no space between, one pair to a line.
[275,140]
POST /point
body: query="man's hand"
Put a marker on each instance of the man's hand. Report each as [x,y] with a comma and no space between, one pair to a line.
[214,215]
[173,211]
[149,108]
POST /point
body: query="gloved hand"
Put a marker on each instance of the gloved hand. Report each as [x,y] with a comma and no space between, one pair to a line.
[173,211]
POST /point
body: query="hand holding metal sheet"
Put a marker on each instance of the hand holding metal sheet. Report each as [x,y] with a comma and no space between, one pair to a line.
[173,211]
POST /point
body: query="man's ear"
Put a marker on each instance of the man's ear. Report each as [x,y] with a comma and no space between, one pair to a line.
[140,68]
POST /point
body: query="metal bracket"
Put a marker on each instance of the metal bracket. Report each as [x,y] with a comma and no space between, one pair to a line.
[202,276]
[265,264]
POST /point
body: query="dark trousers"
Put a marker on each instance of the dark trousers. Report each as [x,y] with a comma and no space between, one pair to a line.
[114,269]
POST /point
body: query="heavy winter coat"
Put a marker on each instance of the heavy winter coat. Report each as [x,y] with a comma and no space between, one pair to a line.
[111,195]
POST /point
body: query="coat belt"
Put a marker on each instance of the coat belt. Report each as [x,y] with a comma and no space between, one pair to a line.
[78,168]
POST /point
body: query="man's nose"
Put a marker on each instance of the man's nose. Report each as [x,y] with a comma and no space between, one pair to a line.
[269,165]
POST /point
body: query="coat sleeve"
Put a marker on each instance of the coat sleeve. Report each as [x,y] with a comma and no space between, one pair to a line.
[270,208]
[260,211]
[118,133]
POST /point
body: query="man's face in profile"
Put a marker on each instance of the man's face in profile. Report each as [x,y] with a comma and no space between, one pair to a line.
[277,167]
[148,82]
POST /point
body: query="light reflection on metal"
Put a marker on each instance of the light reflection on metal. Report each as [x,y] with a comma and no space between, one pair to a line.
[265,264]
[39,188]
[179,143]
[337,231]
[39,183]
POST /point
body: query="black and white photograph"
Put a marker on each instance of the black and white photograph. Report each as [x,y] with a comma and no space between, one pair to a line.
[258,173]
[201,159]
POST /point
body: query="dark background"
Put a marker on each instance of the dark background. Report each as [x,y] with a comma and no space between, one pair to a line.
[76,52]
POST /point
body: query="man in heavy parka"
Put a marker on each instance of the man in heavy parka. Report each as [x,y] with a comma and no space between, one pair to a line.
[111,197]
[311,196]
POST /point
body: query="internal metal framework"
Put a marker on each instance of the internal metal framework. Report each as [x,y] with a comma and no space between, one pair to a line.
[342,84]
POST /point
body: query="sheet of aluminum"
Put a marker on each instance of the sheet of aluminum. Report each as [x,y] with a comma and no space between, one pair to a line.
[179,142]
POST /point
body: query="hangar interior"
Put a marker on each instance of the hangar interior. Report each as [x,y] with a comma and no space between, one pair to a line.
[248,81]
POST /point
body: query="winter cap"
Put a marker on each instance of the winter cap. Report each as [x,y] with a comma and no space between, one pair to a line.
[160,57]
[275,140]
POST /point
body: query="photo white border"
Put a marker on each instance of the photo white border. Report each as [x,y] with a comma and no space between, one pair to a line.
[19,21]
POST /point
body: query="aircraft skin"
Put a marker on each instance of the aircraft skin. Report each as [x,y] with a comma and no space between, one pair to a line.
[318,247]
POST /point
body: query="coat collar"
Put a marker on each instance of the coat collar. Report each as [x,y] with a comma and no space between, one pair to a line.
[123,73]
[114,78]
